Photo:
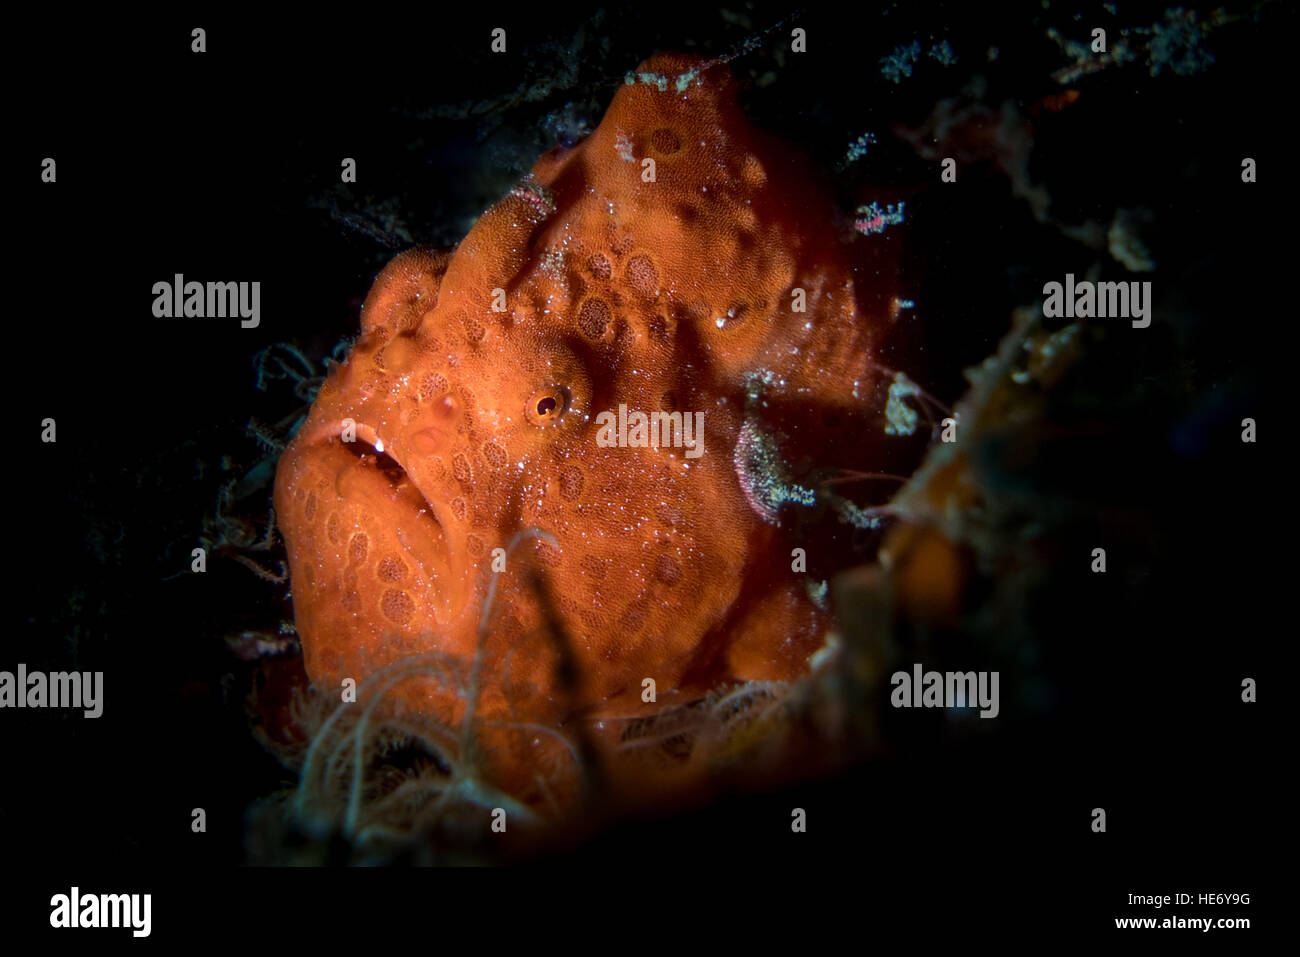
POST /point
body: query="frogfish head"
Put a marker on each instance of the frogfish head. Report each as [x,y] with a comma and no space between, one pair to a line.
[643,353]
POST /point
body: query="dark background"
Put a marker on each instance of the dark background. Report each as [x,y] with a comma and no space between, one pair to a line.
[225,166]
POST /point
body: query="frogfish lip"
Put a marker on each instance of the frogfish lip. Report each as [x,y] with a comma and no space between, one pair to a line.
[368,482]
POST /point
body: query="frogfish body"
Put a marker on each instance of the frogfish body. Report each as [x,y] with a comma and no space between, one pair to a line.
[713,279]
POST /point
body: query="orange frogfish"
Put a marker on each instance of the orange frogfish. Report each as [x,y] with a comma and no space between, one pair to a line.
[613,407]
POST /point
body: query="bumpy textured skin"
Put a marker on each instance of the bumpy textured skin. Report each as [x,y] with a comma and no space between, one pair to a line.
[667,567]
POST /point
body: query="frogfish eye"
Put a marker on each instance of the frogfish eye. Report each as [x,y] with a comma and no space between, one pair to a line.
[547,406]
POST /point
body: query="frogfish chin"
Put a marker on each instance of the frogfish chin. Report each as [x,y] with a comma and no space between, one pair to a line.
[611,412]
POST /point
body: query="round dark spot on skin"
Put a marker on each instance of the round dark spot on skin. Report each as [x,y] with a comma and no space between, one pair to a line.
[571,482]
[667,570]
[641,275]
[358,548]
[390,569]
[669,514]
[458,508]
[495,455]
[461,469]
[593,318]
[598,265]
[396,605]
[593,567]
[434,383]
[634,616]
[473,544]
[658,328]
